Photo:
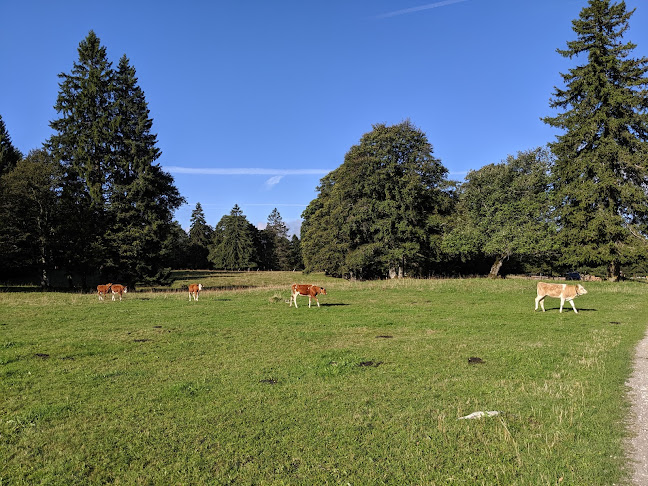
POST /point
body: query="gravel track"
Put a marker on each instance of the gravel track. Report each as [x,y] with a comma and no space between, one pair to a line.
[638,383]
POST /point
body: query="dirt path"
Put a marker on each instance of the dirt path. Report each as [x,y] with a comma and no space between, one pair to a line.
[638,382]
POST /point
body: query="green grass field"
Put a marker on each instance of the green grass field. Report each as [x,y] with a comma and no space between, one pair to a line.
[238,388]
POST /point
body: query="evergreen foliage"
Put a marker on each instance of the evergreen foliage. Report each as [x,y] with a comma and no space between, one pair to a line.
[200,237]
[295,261]
[277,251]
[602,156]
[82,143]
[9,155]
[232,244]
[119,203]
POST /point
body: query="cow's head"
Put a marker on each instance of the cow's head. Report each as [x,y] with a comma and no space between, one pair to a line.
[580,290]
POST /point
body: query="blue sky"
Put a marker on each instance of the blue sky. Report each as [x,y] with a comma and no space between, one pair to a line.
[253,102]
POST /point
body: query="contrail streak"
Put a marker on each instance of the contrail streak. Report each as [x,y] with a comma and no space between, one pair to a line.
[418,9]
[243,171]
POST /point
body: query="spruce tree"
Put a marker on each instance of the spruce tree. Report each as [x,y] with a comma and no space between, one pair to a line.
[200,232]
[83,145]
[118,202]
[200,236]
[602,157]
[142,197]
[9,155]
[279,254]
[296,262]
[232,246]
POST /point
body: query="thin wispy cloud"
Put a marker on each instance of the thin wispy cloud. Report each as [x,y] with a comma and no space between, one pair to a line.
[243,171]
[419,9]
[273,181]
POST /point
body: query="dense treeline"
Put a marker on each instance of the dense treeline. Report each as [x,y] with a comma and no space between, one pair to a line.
[580,204]
[236,244]
[92,204]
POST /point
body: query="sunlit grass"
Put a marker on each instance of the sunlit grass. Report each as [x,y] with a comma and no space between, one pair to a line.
[240,388]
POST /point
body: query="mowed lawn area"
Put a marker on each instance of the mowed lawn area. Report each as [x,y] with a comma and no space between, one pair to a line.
[239,388]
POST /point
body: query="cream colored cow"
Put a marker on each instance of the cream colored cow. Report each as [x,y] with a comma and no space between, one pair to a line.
[563,292]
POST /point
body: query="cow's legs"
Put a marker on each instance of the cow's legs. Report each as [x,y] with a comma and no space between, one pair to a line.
[573,306]
[309,301]
[539,300]
[562,302]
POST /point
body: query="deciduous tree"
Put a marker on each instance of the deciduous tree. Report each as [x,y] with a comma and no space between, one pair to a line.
[29,213]
[504,211]
[372,215]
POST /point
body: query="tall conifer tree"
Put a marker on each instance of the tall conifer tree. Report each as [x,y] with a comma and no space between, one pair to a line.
[141,196]
[83,145]
[119,203]
[602,156]
[278,257]
[200,236]
[9,155]
[232,246]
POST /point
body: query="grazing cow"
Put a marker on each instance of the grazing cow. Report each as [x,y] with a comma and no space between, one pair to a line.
[118,290]
[194,290]
[102,290]
[311,290]
[563,292]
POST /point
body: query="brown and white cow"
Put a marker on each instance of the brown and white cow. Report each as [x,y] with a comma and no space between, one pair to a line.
[102,290]
[564,292]
[310,290]
[118,289]
[194,290]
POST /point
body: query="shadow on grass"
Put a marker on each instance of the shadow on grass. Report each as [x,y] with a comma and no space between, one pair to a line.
[565,309]
[186,288]
[196,274]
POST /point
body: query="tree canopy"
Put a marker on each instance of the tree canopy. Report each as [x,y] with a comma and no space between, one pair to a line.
[119,203]
[372,215]
[9,155]
[232,245]
[602,156]
[504,211]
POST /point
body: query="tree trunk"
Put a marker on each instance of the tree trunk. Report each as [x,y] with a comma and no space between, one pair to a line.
[614,271]
[392,272]
[494,271]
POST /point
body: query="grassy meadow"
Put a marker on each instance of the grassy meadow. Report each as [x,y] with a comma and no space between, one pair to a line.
[238,388]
